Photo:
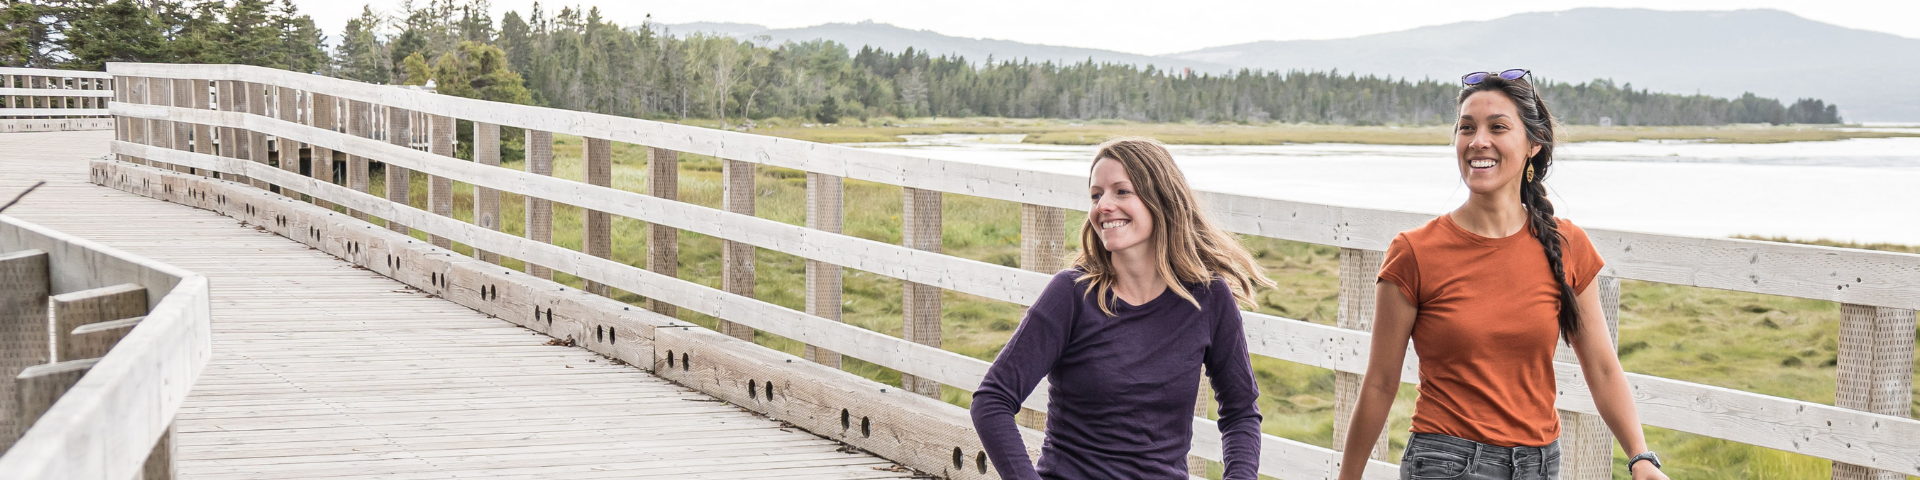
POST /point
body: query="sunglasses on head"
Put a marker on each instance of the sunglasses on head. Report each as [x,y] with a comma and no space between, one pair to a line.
[1509,75]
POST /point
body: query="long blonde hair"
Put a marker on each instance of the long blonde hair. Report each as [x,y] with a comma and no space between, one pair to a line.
[1190,248]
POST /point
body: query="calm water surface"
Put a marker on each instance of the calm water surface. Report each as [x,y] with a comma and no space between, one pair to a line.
[1860,189]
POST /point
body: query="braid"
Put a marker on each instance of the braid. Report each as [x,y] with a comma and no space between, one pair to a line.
[1533,193]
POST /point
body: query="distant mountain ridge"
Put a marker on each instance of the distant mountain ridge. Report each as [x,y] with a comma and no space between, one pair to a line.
[1872,76]
[896,39]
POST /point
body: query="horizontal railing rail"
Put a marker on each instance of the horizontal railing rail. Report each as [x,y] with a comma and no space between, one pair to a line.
[132,336]
[1883,284]
[44,100]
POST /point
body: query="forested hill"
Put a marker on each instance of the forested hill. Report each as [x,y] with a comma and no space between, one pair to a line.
[577,60]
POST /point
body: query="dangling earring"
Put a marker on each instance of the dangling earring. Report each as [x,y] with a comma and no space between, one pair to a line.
[1529,173]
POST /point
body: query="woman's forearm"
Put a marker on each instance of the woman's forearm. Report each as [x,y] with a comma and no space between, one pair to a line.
[1369,418]
[1613,397]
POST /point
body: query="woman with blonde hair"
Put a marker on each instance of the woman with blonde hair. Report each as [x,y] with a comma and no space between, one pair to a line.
[1152,297]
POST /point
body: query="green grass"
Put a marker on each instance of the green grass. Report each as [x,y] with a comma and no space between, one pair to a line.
[1766,344]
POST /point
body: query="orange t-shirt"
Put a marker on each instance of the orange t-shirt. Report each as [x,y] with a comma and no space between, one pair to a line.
[1486,328]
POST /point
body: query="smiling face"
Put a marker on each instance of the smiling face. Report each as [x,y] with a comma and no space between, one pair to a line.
[1118,215]
[1490,143]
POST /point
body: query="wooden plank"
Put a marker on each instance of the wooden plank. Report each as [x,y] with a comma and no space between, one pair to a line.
[287,151]
[440,188]
[539,210]
[54,72]
[736,258]
[1586,444]
[73,310]
[24,287]
[1359,270]
[359,173]
[486,201]
[920,303]
[399,179]
[919,432]
[1043,250]
[825,212]
[93,340]
[40,386]
[597,239]
[253,101]
[324,113]
[663,242]
[1876,349]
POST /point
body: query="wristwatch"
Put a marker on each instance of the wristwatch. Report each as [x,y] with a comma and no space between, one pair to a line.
[1649,457]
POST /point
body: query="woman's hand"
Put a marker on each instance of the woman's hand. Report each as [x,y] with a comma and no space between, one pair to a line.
[1646,471]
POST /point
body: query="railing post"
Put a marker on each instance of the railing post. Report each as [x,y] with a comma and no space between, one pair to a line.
[73,310]
[1586,445]
[736,259]
[663,243]
[1358,271]
[1875,371]
[539,221]
[137,130]
[121,124]
[359,171]
[399,180]
[486,201]
[182,131]
[24,287]
[440,189]
[256,98]
[1043,249]
[322,113]
[228,97]
[920,217]
[287,108]
[825,212]
[598,237]
[200,99]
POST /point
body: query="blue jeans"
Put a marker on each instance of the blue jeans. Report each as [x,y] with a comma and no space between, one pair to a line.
[1436,457]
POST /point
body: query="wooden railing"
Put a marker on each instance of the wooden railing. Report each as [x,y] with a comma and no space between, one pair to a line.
[41,100]
[130,336]
[1869,430]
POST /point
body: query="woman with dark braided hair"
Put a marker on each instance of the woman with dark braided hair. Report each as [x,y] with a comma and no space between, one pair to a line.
[1484,293]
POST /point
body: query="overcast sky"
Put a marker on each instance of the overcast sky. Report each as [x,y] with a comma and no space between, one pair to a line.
[1146,27]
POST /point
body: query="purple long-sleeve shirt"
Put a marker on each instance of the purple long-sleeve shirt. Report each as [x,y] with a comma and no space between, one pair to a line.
[1122,387]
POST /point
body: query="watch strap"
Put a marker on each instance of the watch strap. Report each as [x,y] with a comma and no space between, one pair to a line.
[1649,457]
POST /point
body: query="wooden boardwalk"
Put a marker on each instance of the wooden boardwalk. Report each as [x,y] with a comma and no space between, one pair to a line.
[323,369]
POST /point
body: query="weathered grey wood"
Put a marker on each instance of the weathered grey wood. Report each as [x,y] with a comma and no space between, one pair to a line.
[920,432]
[227,139]
[486,201]
[1586,445]
[1883,279]
[826,213]
[324,113]
[202,99]
[39,386]
[1043,249]
[602,402]
[663,242]
[920,230]
[72,310]
[360,121]
[440,188]
[1875,371]
[1359,269]
[24,287]
[93,340]
[539,210]
[253,98]
[182,96]
[597,239]
[287,151]
[160,462]
[736,258]
[399,179]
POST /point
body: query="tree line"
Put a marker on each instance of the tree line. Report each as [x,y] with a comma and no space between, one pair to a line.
[576,59]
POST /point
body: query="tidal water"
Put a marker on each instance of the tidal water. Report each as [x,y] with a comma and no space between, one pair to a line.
[1865,190]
